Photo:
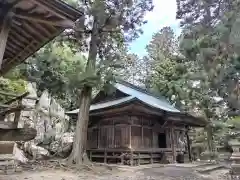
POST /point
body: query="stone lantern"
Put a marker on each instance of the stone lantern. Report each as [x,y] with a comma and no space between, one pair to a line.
[235,158]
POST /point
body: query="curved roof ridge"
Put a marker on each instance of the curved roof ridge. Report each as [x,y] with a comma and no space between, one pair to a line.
[120,81]
[145,97]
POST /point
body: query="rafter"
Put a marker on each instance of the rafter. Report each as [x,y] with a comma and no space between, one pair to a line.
[21,53]
[18,37]
[10,50]
[16,41]
[44,30]
[8,54]
[34,31]
[13,45]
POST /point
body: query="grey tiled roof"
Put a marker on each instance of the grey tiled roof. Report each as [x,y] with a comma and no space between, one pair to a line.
[105,104]
[147,98]
[134,93]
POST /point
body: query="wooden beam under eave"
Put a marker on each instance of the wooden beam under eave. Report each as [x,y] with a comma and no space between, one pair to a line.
[49,9]
[6,26]
[40,19]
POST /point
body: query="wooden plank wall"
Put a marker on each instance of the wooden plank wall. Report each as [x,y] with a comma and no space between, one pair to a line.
[134,132]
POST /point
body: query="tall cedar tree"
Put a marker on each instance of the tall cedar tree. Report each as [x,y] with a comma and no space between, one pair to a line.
[105,28]
[208,28]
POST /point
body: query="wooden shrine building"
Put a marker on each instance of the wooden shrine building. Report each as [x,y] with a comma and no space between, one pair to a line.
[132,126]
[26,26]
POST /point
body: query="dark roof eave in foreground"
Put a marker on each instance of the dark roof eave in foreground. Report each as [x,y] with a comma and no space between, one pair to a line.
[34,24]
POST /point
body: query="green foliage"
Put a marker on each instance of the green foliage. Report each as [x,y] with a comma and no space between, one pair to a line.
[211,40]
[53,68]
[14,86]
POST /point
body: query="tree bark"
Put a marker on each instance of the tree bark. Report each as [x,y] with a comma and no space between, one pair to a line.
[210,137]
[78,154]
[189,147]
[21,134]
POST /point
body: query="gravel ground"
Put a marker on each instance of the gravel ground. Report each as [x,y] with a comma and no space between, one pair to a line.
[150,173]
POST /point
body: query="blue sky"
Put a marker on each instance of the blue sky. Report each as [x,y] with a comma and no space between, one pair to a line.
[163,14]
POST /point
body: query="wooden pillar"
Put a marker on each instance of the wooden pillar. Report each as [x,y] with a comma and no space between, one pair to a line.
[122,159]
[5,23]
[90,155]
[130,143]
[142,132]
[130,137]
[113,138]
[105,156]
[151,158]
[152,139]
[131,158]
[17,115]
[173,144]
[139,159]
[16,118]
[99,133]
[189,148]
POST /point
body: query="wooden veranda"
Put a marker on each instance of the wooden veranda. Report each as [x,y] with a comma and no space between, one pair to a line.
[26,26]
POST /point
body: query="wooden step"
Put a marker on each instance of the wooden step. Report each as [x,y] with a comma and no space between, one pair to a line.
[20,134]
[6,147]
[6,157]
[8,125]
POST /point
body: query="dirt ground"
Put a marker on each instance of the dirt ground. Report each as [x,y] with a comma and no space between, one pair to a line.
[149,172]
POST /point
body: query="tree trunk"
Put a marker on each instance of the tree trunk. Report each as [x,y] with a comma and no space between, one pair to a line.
[78,154]
[79,146]
[210,137]
[21,134]
[209,130]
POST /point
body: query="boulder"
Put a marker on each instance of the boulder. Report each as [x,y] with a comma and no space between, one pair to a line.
[19,155]
[37,152]
[31,99]
[63,146]
[207,155]
[55,110]
[44,102]
[48,118]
